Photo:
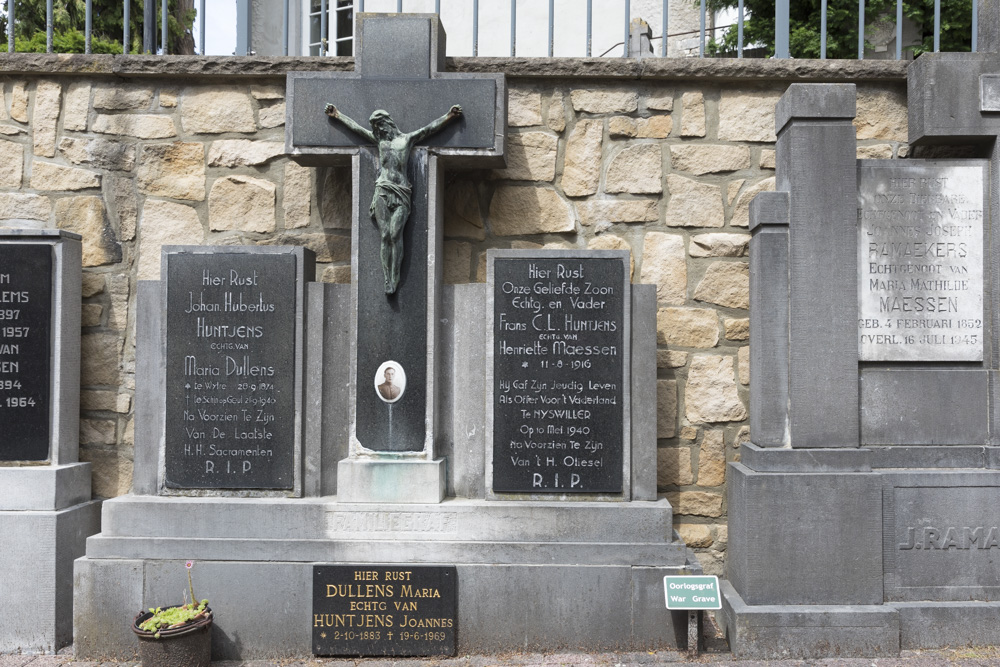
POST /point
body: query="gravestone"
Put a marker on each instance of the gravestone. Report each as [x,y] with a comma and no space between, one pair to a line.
[860,514]
[46,512]
[231,370]
[395,470]
[560,337]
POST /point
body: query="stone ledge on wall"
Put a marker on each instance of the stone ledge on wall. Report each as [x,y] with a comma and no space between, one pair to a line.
[719,69]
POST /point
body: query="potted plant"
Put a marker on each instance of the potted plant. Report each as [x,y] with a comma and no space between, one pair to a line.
[176,636]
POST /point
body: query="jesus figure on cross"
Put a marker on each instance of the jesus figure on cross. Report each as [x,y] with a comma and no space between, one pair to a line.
[390,207]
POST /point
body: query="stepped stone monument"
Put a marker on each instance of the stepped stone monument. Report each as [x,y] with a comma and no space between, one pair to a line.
[46,512]
[863,514]
[328,446]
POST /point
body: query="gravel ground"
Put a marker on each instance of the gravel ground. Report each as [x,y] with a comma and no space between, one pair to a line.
[716,655]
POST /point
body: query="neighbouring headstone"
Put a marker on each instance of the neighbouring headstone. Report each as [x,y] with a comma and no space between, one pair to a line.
[920,254]
[25,351]
[875,442]
[560,332]
[384,610]
[46,512]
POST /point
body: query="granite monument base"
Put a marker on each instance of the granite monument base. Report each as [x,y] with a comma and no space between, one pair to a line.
[46,515]
[861,552]
[390,481]
[531,575]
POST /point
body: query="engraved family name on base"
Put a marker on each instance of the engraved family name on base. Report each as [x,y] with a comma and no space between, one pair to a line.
[920,260]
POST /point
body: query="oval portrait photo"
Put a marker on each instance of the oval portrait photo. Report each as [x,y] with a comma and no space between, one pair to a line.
[390,381]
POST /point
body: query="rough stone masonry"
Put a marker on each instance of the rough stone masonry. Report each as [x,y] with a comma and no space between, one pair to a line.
[660,158]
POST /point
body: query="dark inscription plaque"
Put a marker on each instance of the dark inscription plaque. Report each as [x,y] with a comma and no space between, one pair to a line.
[383,610]
[25,350]
[230,421]
[558,355]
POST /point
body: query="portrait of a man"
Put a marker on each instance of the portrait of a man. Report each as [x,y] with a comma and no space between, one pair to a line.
[390,381]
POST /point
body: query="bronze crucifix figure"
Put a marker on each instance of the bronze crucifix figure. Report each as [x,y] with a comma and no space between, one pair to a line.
[390,207]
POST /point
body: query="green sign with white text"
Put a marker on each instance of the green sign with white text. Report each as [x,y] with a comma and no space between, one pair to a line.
[692,592]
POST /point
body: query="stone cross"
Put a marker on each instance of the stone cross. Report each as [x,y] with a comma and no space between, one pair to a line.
[393,360]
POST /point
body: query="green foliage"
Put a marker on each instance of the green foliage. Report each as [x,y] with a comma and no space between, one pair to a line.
[108,21]
[171,617]
[842,25]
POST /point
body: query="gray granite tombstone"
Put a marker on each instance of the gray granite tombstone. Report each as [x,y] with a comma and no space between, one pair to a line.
[46,511]
[862,516]
[395,476]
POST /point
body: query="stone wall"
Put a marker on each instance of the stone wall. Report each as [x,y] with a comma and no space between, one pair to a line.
[661,158]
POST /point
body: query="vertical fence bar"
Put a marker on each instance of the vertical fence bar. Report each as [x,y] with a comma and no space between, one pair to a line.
[590,27]
[126,19]
[701,32]
[10,26]
[243,27]
[552,23]
[861,29]
[201,26]
[822,31]
[628,17]
[148,27]
[284,28]
[437,7]
[88,25]
[663,27]
[739,30]
[781,29]
[361,6]
[322,28]
[163,28]
[48,26]
[975,25]
[399,6]
[937,25]
[899,29]
[475,27]
[513,28]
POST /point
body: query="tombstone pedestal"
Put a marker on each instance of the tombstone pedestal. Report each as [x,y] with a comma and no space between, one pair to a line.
[390,481]
[532,574]
[46,511]
[862,519]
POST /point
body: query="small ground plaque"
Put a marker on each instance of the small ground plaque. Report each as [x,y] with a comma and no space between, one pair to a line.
[396,610]
[559,335]
[230,421]
[920,260]
[25,352]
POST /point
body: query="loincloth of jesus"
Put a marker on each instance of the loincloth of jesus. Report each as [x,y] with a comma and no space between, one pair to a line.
[394,195]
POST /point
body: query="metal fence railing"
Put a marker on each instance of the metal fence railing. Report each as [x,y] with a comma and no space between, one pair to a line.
[327,27]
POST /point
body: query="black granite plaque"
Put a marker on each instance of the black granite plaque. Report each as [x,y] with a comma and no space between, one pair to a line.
[558,374]
[384,610]
[230,420]
[25,350]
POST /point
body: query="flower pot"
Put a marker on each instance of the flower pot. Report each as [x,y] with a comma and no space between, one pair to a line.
[187,646]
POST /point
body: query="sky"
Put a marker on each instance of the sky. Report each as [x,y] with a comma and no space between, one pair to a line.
[220,27]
